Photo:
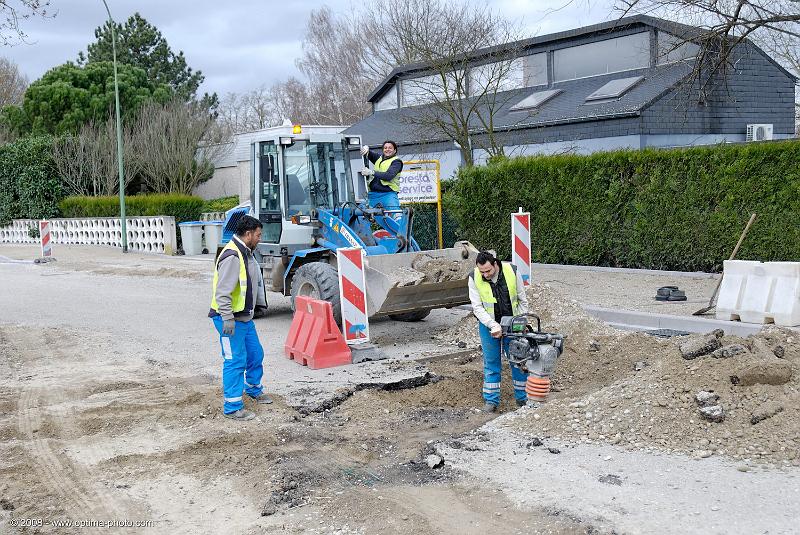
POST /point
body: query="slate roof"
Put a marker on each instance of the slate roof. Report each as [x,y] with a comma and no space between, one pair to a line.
[567,107]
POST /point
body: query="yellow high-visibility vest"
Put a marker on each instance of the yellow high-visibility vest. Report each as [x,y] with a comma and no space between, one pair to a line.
[485,289]
[239,294]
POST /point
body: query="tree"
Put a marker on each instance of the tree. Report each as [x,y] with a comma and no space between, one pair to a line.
[13,13]
[462,72]
[332,61]
[142,45]
[723,25]
[12,83]
[87,160]
[171,144]
[69,96]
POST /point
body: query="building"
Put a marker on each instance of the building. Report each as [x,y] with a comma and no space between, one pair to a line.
[622,84]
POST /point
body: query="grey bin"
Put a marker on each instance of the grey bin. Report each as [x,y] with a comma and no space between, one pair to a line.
[192,237]
[213,235]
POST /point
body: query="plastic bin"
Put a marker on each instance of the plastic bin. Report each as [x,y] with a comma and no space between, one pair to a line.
[213,235]
[192,237]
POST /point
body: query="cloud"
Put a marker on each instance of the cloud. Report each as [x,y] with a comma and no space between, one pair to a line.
[239,44]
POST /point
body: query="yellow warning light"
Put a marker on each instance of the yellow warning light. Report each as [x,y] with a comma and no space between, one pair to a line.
[297,129]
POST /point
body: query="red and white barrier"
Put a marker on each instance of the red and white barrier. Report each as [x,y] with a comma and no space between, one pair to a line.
[353,293]
[47,244]
[521,245]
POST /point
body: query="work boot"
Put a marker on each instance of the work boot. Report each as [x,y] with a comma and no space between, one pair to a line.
[489,407]
[262,399]
[521,402]
[241,414]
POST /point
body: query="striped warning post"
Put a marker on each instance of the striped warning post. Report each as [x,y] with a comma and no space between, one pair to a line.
[521,244]
[44,232]
[352,290]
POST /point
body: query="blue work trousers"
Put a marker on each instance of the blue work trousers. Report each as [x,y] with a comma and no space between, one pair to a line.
[492,360]
[388,199]
[242,367]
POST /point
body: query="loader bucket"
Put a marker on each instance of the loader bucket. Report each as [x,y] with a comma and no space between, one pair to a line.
[408,282]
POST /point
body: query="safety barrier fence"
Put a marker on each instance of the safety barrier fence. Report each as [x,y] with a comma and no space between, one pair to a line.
[145,234]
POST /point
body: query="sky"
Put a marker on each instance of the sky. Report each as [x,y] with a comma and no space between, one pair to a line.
[242,44]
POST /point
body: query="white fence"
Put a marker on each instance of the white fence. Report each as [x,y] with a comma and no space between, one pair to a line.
[145,234]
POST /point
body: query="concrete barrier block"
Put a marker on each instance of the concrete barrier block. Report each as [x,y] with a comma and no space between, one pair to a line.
[731,292]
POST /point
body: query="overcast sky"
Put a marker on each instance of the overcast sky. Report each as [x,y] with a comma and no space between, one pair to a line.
[240,44]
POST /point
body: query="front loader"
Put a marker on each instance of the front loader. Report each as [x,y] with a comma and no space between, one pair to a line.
[311,205]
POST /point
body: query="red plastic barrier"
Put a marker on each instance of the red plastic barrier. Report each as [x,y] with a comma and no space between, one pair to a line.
[314,339]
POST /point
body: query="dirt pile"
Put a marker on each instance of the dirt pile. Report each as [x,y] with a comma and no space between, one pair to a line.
[737,397]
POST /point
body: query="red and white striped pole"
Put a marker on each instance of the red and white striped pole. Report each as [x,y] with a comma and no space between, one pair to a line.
[353,294]
[521,244]
[44,234]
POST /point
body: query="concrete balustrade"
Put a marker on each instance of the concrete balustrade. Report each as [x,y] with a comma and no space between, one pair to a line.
[145,234]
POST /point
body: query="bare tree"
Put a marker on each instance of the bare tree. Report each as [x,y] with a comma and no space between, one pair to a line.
[722,25]
[14,12]
[172,146]
[12,83]
[333,63]
[464,55]
[87,161]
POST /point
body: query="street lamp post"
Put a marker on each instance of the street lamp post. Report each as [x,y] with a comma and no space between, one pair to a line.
[119,135]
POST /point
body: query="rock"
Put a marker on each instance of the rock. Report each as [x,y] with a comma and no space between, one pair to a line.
[462,345]
[535,443]
[706,398]
[611,479]
[270,508]
[714,413]
[770,371]
[640,365]
[779,352]
[6,505]
[554,450]
[434,461]
[594,346]
[718,333]
[729,351]
[697,347]
[767,410]
[702,454]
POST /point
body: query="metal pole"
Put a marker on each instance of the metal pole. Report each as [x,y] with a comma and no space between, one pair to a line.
[119,136]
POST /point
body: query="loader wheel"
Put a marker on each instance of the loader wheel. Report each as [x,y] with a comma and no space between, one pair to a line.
[417,315]
[318,280]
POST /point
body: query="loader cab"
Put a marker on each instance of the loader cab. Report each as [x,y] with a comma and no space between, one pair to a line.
[292,175]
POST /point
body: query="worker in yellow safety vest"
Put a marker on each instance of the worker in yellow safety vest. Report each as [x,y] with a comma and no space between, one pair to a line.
[237,291]
[383,181]
[496,290]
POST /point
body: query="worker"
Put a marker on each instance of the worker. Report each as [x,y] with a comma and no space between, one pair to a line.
[237,289]
[496,290]
[383,181]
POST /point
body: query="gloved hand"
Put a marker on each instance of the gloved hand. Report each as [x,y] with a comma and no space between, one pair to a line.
[367,172]
[364,150]
[228,326]
[496,332]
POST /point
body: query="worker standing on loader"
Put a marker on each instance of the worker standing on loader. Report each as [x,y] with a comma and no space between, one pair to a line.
[236,291]
[496,290]
[382,182]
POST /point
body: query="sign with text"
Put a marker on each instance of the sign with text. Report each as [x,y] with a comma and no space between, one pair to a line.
[419,182]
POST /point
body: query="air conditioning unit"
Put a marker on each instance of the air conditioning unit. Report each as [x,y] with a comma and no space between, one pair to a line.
[759,132]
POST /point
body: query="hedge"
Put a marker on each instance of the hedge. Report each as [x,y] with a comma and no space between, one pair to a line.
[221,204]
[181,207]
[681,209]
[29,187]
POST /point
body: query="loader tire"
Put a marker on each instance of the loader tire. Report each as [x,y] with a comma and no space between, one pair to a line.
[319,281]
[417,315]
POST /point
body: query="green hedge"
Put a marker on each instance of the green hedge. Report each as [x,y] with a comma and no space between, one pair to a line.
[29,188]
[181,207]
[222,204]
[660,209]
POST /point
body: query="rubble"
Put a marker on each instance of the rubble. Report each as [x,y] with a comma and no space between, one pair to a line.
[764,371]
[698,347]
[713,413]
[729,351]
[434,461]
[706,399]
[768,410]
